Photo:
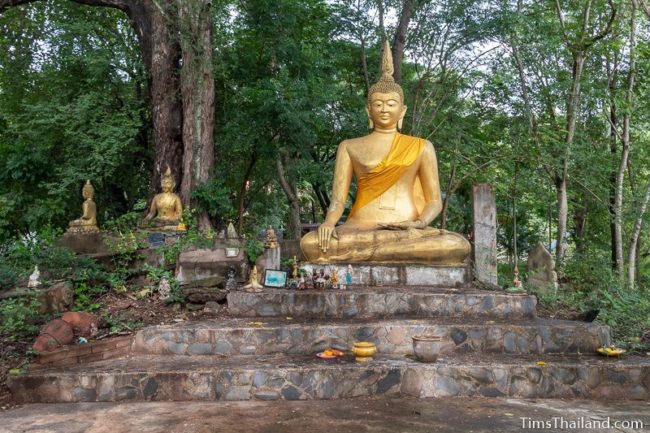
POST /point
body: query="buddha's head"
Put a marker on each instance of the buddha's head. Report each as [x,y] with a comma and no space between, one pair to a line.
[386,107]
[167,182]
[87,192]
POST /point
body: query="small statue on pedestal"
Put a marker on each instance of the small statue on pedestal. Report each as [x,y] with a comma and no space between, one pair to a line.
[348,276]
[334,279]
[87,223]
[231,284]
[253,283]
[294,268]
[164,289]
[271,239]
[166,207]
[34,278]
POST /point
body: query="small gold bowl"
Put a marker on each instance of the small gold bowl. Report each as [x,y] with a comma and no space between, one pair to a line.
[610,351]
[364,350]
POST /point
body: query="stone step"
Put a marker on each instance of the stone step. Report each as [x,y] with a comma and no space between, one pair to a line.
[183,378]
[282,335]
[377,302]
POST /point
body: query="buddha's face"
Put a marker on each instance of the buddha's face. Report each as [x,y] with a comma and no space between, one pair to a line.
[386,109]
[87,193]
[167,184]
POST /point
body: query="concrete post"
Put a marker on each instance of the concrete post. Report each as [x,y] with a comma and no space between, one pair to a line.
[485,233]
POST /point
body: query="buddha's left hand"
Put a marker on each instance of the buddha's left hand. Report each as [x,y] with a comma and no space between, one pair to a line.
[404,225]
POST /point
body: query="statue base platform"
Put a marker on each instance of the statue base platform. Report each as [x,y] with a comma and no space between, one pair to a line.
[90,243]
[366,274]
[158,238]
[202,264]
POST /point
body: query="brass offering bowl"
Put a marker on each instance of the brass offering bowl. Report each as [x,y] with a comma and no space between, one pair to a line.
[364,350]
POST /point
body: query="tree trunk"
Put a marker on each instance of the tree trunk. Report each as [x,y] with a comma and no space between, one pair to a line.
[625,152]
[242,193]
[612,75]
[364,63]
[197,85]
[445,201]
[632,259]
[295,226]
[400,37]
[562,214]
[155,29]
[561,180]
[165,90]
[323,199]
[580,222]
[579,50]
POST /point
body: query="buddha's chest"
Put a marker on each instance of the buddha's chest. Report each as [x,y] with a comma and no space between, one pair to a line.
[166,203]
[366,156]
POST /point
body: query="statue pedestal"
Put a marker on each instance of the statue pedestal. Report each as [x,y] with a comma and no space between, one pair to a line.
[84,243]
[397,274]
[203,264]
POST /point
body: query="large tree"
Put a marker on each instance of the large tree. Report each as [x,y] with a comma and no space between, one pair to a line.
[175,43]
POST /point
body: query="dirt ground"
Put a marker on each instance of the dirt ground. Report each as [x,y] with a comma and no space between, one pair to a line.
[378,415]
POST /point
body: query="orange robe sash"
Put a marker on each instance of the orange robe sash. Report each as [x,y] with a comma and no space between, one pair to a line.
[403,153]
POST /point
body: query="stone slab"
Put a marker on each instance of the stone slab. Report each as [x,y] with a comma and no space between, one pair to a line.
[375,302]
[397,275]
[485,233]
[202,264]
[84,243]
[184,378]
[276,336]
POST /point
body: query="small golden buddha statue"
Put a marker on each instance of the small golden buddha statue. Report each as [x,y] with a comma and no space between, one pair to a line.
[87,223]
[398,193]
[271,240]
[253,282]
[166,207]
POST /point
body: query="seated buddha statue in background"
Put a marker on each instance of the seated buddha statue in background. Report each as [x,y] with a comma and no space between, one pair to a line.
[398,193]
[87,223]
[166,207]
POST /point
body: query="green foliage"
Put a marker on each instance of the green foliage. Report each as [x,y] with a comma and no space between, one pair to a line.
[119,322]
[155,274]
[254,248]
[20,317]
[71,109]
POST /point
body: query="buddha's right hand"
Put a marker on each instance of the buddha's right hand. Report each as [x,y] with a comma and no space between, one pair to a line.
[325,232]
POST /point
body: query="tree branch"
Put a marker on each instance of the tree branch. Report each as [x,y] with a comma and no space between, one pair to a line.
[608,27]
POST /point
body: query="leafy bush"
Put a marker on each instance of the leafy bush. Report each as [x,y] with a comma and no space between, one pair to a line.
[155,274]
[20,317]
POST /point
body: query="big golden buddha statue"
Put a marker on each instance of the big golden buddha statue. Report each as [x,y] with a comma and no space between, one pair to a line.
[166,207]
[398,193]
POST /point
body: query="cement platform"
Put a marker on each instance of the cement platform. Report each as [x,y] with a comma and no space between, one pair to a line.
[377,415]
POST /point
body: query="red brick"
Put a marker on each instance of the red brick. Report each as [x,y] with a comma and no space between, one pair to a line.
[115,353]
[65,352]
[90,358]
[54,334]
[83,324]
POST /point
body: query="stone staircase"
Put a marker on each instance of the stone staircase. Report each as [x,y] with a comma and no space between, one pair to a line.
[265,351]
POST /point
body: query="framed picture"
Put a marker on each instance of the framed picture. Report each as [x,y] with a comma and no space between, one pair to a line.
[275,278]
